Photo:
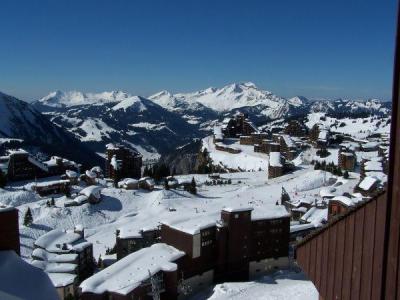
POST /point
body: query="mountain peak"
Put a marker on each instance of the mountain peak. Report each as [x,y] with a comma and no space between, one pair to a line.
[73,98]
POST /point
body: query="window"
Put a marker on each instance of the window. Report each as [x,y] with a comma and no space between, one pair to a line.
[236,216]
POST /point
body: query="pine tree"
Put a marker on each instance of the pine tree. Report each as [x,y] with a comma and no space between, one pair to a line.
[100,262]
[3,179]
[192,188]
[346,175]
[28,219]
[52,202]
[166,185]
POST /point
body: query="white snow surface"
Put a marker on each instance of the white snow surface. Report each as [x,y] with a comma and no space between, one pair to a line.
[283,285]
[246,160]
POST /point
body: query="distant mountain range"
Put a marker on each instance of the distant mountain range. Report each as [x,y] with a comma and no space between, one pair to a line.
[162,122]
[21,120]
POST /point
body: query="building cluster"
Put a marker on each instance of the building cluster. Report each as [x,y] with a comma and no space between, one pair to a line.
[19,164]
[319,135]
[184,256]
[66,257]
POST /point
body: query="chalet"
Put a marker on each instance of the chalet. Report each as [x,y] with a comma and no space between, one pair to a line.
[72,176]
[146,183]
[66,257]
[129,184]
[341,204]
[369,186]
[93,193]
[122,162]
[173,182]
[295,128]
[52,187]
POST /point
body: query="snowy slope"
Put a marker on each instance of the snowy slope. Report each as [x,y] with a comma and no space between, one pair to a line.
[98,119]
[283,285]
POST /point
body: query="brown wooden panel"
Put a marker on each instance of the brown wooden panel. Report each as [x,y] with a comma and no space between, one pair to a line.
[368,250]
[376,286]
[331,261]
[313,250]
[324,273]
[318,261]
[357,254]
[348,258]
[393,251]
[340,240]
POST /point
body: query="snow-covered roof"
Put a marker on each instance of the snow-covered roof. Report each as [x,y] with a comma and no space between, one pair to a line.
[367,183]
[193,225]
[92,190]
[90,174]
[42,254]
[301,227]
[382,177]
[373,166]
[71,174]
[323,135]
[346,200]
[288,141]
[51,183]
[4,208]
[96,169]
[370,145]
[16,151]
[54,240]
[326,193]
[50,267]
[62,279]
[275,159]
[316,216]
[237,209]
[20,280]
[81,199]
[125,275]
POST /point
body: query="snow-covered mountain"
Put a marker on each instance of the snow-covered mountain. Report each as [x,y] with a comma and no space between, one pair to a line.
[75,98]
[165,120]
[228,98]
[21,120]
[97,119]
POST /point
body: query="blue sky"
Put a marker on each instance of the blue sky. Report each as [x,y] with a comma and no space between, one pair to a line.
[314,48]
